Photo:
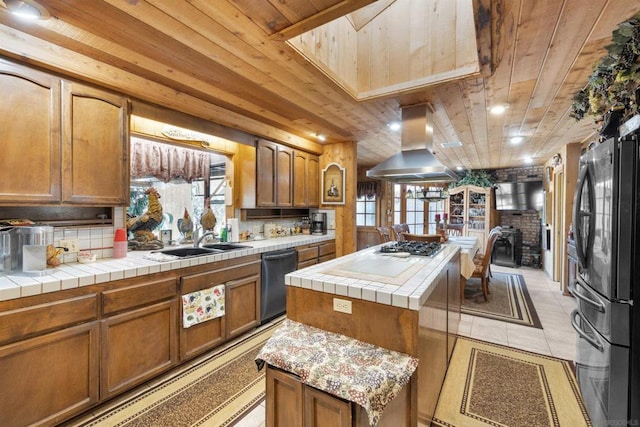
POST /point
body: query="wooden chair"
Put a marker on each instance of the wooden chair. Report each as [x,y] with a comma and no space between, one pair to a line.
[455,229]
[398,229]
[385,234]
[421,237]
[482,268]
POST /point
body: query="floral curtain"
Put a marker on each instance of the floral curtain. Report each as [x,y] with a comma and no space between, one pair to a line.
[369,189]
[167,162]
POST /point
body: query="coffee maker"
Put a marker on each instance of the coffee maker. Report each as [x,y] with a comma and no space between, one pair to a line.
[318,223]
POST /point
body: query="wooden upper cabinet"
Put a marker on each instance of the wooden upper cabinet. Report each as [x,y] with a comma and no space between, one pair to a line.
[95,146]
[305,179]
[313,180]
[284,180]
[266,170]
[62,142]
[30,123]
[274,168]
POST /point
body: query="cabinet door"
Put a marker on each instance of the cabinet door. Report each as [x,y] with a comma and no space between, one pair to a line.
[266,170]
[300,191]
[313,181]
[30,123]
[50,378]
[283,399]
[284,172]
[242,300]
[137,345]
[323,409]
[95,146]
[305,179]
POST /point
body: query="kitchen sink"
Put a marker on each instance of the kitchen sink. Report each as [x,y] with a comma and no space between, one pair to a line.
[225,246]
[187,252]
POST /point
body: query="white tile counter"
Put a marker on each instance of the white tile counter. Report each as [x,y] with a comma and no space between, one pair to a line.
[74,275]
[371,276]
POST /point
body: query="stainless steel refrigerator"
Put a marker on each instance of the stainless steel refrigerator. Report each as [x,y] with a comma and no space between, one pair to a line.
[606,222]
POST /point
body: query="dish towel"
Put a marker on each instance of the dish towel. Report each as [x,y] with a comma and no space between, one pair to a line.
[200,306]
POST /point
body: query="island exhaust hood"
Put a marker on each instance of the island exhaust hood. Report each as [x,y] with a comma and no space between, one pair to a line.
[415,163]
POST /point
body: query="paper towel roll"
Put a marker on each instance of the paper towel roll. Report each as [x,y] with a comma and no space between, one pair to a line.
[233,234]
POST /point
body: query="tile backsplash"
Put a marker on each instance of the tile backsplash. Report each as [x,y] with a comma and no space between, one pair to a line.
[96,239]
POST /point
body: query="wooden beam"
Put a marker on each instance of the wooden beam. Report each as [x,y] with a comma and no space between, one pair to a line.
[334,12]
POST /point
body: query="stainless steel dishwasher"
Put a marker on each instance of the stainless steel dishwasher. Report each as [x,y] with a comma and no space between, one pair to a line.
[275,265]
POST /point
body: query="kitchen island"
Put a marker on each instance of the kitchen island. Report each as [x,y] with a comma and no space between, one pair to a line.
[410,305]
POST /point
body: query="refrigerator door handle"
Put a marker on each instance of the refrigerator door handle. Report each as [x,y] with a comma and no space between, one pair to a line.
[578,214]
[597,304]
[594,342]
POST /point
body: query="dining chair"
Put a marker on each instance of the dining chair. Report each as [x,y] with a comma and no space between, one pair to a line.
[482,268]
[421,237]
[384,233]
[398,229]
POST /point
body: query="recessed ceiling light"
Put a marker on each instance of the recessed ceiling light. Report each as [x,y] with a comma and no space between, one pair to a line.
[528,160]
[498,109]
[516,140]
[459,168]
[394,126]
[27,9]
[321,137]
[452,144]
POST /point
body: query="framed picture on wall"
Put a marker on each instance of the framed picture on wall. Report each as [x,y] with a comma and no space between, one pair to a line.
[333,181]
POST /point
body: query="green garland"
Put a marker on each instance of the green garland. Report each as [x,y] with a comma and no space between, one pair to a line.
[478,178]
[614,84]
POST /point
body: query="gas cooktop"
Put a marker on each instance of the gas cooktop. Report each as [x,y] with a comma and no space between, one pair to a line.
[413,248]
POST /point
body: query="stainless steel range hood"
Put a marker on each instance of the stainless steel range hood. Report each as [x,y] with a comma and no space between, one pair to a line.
[415,163]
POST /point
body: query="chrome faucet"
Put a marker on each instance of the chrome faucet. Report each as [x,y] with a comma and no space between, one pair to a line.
[196,242]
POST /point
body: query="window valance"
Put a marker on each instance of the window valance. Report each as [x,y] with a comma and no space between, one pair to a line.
[167,162]
[369,189]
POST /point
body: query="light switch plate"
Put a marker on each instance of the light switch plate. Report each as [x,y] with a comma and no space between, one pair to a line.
[73,245]
[342,305]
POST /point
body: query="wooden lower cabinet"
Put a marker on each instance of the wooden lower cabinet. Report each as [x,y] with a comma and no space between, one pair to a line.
[50,378]
[242,305]
[138,345]
[315,253]
[289,402]
[242,299]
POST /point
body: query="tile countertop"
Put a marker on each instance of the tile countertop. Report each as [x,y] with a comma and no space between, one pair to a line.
[74,275]
[370,276]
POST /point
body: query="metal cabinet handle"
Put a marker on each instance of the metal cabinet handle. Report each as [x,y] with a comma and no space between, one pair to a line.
[583,334]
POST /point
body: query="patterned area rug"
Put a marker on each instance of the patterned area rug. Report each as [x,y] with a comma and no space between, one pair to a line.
[216,391]
[489,384]
[509,300]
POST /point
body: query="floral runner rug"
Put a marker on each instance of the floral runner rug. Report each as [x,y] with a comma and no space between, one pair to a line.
[509,300]
[215,390]
[493,385]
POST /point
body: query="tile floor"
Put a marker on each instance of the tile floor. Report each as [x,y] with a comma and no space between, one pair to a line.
[557,338]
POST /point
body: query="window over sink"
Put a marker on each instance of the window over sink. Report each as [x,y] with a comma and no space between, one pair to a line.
[183,176]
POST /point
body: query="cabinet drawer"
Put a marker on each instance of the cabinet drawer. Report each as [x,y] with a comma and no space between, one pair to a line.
[307,253]
[138,295]
[218,276]
[23,322]
[328,248]
[306,263]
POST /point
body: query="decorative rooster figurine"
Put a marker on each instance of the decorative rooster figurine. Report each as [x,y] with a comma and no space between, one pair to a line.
[208,219]
[143,225]
[185,226]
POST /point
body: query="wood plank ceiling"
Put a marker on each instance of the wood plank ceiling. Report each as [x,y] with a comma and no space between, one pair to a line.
[227,61]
